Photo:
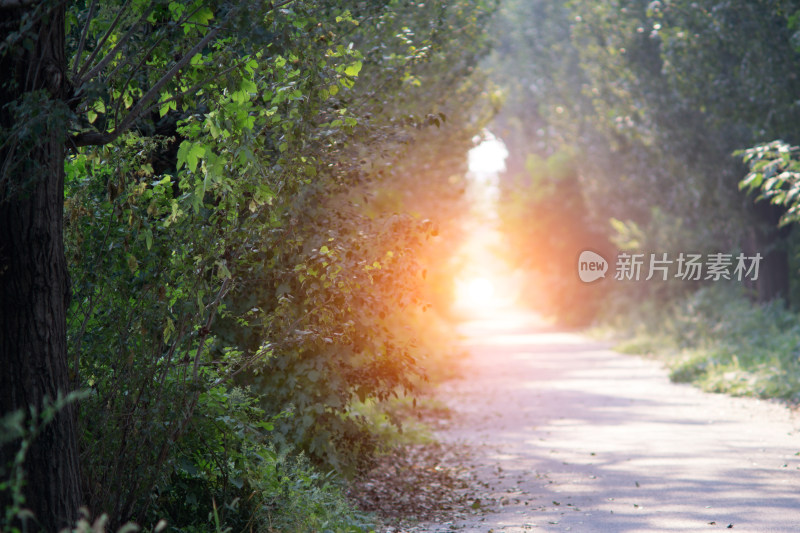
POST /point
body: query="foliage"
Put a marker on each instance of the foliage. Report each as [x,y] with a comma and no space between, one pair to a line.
[257,197]
[775,175]
[650,99]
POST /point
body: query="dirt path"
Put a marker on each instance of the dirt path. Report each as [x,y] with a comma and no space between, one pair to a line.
[570,436]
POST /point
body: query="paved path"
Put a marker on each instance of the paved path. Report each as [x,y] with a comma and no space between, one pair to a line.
[571,436]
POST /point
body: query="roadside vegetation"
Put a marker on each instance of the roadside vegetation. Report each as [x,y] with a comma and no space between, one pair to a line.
[661,127]
[259,202]
[718,339]
[228,230]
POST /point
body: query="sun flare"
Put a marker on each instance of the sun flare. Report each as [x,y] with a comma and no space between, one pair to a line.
[476,294]
[489,156]
[477,291]
[483,284]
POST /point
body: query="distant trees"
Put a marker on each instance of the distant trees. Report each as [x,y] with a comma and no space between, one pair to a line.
[653,99]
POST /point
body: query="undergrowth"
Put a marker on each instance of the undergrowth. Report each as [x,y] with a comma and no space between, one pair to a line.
[720,339]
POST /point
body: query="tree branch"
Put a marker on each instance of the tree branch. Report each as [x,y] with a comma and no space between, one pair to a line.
[194,88]
[144,58]
[99,46]
[112,54]
[96,138]
[85,31]
[205,330]
[13,4]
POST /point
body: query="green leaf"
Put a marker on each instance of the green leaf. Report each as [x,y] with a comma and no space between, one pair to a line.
[222,270]
[353,69]
[189,154]
[248,86]
[169,329]
[176,10]
[202,17]
[133,263]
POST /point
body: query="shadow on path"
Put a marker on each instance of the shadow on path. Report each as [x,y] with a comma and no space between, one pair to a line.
[571,436]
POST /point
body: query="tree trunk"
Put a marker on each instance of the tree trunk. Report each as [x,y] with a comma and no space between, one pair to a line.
[34,286]
[773,276]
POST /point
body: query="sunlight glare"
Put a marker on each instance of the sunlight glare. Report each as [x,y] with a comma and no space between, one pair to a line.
[477,292]
[489,157]
[484,284]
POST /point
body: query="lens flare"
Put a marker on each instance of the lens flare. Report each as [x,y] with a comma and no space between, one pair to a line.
[479,291]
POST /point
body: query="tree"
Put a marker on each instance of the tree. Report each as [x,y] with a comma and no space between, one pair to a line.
[34,289]
[40,103]
[653,98]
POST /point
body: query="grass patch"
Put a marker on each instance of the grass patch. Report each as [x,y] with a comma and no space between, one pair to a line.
[719,339]
[398,421]
[296,497]
[644,344]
